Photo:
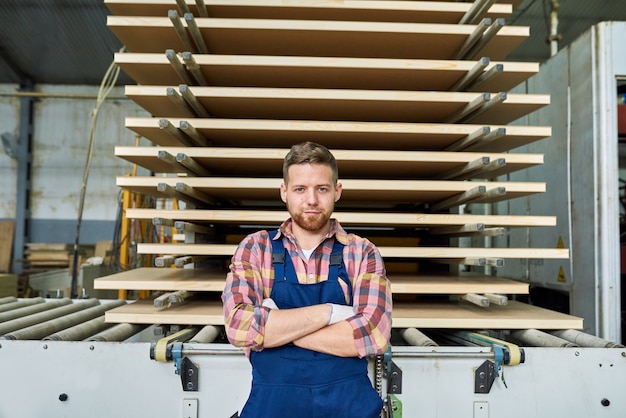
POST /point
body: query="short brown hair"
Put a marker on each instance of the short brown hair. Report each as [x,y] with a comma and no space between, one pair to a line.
[309,153]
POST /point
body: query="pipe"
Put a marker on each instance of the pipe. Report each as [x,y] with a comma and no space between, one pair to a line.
[119,332]
[80,331]
[31,309]
[8,299]
[43,329]
[585,340]
[415,337]
[19,304]
[49,95]
[538,338]
[206,335]
[37,318]
[554,27]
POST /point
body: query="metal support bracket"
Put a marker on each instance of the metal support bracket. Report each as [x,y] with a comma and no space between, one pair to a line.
[393,374]
[185,368]
[484,376]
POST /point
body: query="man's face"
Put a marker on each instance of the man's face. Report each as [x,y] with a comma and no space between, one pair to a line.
[310,195]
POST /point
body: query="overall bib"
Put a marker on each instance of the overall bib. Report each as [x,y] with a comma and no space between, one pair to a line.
[290,381]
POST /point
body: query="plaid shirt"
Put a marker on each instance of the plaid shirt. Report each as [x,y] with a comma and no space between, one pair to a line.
[251,278]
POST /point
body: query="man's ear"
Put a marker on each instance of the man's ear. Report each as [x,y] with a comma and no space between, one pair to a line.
[338,190]
[283,192]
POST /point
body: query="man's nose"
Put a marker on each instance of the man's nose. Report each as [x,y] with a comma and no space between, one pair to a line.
[311,196]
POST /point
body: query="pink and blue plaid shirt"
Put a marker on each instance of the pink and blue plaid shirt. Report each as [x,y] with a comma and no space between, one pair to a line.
[251,278]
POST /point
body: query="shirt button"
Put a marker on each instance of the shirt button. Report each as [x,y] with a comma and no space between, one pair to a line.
[310,275]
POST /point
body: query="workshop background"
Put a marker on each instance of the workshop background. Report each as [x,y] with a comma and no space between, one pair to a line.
[63,112]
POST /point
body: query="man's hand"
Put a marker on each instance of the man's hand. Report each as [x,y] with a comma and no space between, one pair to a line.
[339,313]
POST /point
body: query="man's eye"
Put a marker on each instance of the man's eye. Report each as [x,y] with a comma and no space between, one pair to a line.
[323,189]
[299,189]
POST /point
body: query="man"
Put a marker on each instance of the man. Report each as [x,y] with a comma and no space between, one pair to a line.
[309,302]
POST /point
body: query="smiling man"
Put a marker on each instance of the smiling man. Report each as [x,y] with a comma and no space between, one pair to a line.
[309,302]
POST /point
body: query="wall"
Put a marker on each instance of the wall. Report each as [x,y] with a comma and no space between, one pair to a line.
[61,132]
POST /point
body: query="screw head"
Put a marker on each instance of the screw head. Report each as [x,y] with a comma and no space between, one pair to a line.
[605,402]
[63,397]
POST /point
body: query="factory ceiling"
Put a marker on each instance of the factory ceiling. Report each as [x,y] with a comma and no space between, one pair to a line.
[67,41]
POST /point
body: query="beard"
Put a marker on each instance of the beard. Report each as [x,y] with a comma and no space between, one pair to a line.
[311,223]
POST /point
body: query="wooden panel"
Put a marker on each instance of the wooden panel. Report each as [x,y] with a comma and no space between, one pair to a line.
[442,284]
[351,163]
[386,252]
[382,11]
[244,217]
[7,229]
[362,135]
[334,105]
[372,191]
[169,279]
[314,38]
[320,72]
[515,315]
[164,279]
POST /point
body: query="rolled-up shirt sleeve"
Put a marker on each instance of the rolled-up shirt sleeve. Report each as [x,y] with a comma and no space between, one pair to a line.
[372,300]
[244,317]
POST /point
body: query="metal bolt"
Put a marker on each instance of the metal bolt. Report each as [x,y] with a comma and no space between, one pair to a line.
[91,347]
[45,346]
[189,372]
[623,353]
[577,354]
[605,402]
[189,385]
[481,375]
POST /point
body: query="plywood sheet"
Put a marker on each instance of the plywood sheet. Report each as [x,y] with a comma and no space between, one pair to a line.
[168,279]
[383,192]
[351,163]
[515,315]
[335,134]
[451,284]
[314,38]
[382,11]
[386,252]
[321,72]
[256,217]
[7,229]
[334,104]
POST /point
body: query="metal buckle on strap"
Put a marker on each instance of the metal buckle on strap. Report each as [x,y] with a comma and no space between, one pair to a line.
[335,259]
[278,258]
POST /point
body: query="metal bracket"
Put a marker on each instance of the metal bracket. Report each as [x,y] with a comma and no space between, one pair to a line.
[189,375]
[484,377]
[394,379]
[393,374]
[185,368]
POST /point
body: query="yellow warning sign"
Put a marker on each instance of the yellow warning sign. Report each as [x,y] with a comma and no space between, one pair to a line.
[561,278]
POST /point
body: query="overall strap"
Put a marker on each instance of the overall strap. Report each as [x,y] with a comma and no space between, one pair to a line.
[278,256]
[337,268]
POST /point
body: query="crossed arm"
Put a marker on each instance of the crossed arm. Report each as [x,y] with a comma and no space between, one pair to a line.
[308,328]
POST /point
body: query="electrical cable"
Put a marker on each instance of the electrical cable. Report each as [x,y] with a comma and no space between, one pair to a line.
[107,85]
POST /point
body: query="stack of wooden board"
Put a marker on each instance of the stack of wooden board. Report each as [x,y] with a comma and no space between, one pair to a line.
[411,97]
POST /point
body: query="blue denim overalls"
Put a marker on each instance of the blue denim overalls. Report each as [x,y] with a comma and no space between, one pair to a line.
[290,381]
